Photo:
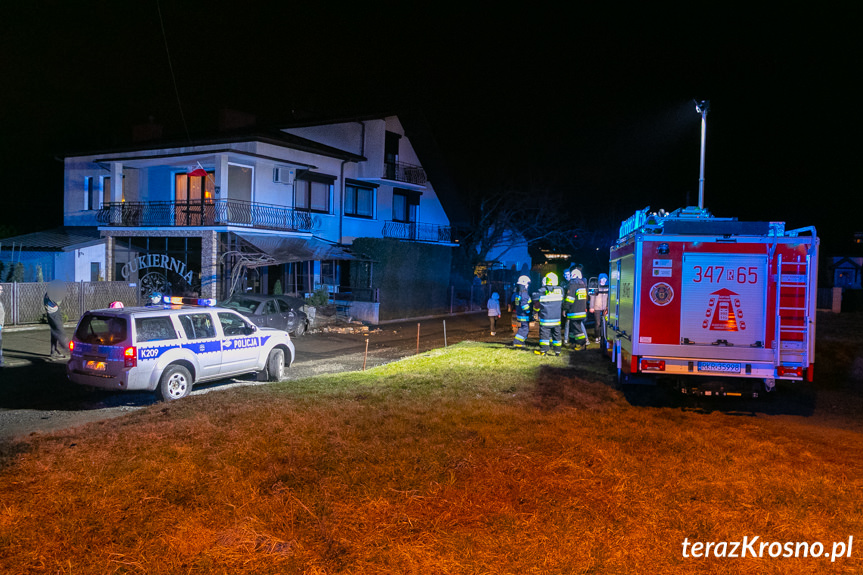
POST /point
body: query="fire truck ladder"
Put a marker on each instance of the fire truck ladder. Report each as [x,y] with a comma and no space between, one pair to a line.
[793,312]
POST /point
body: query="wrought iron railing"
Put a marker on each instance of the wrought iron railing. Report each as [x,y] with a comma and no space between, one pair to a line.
[402,172]
[205,213]
[417,232]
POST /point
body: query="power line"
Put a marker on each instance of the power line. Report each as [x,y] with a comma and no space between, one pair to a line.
[173,77]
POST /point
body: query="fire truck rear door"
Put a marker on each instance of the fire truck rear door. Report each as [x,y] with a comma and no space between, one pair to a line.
[724,299]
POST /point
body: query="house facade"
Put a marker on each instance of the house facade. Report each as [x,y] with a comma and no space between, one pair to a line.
[262,210]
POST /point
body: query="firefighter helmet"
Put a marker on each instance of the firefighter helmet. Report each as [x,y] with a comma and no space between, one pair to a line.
[523,281]
[550,279]
[575,273]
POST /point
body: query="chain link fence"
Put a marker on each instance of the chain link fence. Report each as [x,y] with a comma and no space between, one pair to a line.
[24,302]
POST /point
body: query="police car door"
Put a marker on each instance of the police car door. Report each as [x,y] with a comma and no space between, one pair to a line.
[203,340]
[240,345]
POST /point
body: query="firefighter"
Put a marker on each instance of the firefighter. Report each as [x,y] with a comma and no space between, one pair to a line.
[567,276]
[547,303]
[521,311]
[599,305]
[576,307]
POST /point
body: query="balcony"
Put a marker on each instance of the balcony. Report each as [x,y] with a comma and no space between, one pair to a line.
[205,213]
[417,232]
[408,173]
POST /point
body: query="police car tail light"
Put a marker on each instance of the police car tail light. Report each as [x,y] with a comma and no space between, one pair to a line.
[71,346]
[130,357]
[652,365]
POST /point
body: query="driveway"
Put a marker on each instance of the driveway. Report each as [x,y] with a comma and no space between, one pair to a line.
[35,395]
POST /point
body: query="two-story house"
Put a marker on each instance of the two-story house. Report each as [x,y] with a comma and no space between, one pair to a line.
[252,209]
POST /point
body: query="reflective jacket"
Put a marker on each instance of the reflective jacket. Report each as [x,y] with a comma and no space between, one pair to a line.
[522,304]
[576,299]
[548,302]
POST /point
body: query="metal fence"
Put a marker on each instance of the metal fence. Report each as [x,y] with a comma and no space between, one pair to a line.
[205,213]
[24,302]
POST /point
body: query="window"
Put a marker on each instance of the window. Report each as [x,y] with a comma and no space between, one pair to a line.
[91,194]
[198,326]
[192,189]
[95,270]
[405,205]
[101,330]
[312,192]
[359,201]
[106,190]
[154,329]
[233,325]
[270,308]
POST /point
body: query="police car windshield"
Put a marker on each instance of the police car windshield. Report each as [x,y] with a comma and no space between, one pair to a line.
[101,330]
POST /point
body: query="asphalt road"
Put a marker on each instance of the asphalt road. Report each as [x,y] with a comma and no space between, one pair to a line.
[35,395]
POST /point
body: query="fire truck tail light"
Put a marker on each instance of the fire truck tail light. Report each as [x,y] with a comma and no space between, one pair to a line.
[652,365]
[789,370]
[130,357]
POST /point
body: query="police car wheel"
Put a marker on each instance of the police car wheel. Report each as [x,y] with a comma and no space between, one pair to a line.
[175,383]
[275,365]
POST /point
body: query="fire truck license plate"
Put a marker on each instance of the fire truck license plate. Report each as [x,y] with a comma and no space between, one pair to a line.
[719,366]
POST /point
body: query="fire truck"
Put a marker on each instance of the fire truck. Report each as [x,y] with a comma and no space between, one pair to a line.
[715,305]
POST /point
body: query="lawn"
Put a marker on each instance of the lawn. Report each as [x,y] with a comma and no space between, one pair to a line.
[473,459]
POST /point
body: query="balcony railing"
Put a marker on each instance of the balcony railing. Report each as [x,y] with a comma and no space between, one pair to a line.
[402,172]
[205,213]
[417,232]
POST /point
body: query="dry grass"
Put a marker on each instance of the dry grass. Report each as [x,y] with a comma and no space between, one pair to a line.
[474,459]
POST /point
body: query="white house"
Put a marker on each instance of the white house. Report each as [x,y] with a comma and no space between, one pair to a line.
[245,210]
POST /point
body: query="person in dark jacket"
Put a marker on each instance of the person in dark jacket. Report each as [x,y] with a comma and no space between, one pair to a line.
[2,321]
[55,322]
[599,305]
[576,308]
[521,311]
[547,303]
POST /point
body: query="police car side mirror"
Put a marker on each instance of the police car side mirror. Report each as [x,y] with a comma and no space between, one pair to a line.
[250,329]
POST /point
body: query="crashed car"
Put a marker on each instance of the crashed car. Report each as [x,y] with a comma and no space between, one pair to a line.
[274,311]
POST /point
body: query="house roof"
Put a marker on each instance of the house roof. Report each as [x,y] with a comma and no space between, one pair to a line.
[421,135]
[62,239]
[266,135]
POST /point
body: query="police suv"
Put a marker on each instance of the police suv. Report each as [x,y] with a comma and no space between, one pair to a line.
[168,348]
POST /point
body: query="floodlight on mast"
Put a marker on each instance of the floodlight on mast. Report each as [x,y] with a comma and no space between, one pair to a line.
[702,107]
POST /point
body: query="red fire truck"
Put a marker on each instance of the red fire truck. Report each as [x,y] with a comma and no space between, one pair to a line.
[716,305]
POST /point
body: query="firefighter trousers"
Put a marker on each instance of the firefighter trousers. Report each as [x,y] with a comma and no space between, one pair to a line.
[549,335]
[575,330]
[521,335]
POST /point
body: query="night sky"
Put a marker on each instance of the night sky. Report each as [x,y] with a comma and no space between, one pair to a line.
[599,106]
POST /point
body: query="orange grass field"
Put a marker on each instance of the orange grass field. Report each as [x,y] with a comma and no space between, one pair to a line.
[471,459]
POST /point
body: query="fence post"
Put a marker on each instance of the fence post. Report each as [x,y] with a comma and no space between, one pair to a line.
[81,302]
[14,301]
